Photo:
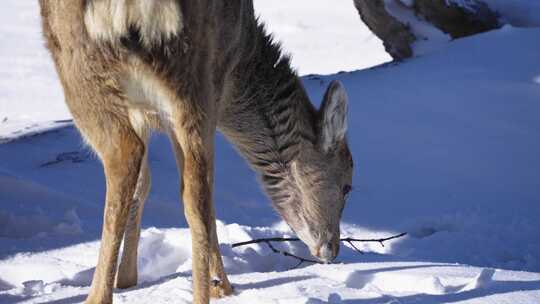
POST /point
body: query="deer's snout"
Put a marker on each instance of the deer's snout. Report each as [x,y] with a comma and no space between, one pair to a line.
[327,251]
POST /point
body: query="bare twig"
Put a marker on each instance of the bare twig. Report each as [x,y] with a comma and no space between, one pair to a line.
[380,241]
[74,157]
[265,241]
[350,241]
[354,247]
[301,260]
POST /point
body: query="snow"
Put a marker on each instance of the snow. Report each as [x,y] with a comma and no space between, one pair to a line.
[445,148]
[373,282]
[347,45]
[30,93]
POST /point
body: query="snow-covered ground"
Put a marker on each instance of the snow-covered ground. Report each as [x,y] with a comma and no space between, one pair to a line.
[445,145]
[322,36]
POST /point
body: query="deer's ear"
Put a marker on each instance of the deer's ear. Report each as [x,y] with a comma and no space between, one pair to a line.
[333,116]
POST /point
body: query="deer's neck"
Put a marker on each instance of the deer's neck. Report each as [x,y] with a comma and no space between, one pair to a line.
[270,116]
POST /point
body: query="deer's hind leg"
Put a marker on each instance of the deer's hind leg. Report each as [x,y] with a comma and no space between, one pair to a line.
[127,271]
[121,151]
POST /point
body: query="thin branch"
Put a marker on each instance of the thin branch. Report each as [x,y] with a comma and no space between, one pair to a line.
[348,240]
[354,247]
[380,241]
[288,254]
[265,241]
[301,260]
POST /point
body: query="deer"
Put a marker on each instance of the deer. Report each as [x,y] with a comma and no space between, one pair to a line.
[191,68]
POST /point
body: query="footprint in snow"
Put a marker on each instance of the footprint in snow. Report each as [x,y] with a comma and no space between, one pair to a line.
[482,280]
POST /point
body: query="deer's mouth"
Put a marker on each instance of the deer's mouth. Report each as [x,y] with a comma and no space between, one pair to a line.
[325,249]
[326,252]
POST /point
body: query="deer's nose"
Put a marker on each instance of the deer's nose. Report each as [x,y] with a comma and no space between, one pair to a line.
[328,252]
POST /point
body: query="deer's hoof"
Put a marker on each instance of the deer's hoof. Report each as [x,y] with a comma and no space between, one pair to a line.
[220,289]
[125,284]
[98,300]
[126,281]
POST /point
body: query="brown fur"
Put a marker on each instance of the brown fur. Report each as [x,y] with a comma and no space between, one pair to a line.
[189,68]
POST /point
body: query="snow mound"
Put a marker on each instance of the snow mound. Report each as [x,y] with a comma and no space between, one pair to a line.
[64,275]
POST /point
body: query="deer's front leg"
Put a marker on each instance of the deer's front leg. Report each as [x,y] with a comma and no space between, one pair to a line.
[197,198]
[122,160]
[220,286]
[127,271]
[219,283]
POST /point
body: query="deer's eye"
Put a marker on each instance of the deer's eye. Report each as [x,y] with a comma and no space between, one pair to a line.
[346,190]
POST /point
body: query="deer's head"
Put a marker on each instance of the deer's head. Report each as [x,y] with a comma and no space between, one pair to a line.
[321,178]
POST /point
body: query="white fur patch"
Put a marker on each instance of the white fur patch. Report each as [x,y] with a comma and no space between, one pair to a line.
[138,121]
[145,92]
[156,20]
